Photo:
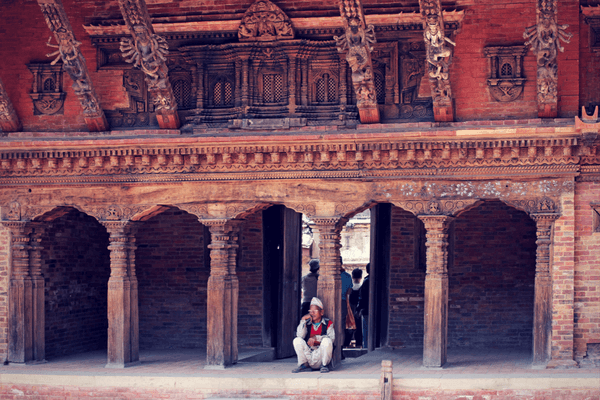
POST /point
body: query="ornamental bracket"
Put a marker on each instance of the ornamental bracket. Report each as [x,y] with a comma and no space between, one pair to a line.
[148,51]
[73,63]
[357,43]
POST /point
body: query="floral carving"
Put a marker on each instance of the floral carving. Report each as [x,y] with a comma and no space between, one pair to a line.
[147,51]
[265,21]
[544,38]
[358,42]
[73,61]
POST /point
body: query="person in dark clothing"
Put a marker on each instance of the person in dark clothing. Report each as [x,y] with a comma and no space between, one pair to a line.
[354,296]
[309,285]
[363,307]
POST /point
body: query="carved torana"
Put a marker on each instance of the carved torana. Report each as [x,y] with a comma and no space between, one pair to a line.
[545,37]
[73,63]
[9,121]
[148,51]
[438,59]
[265,21]
[357,43]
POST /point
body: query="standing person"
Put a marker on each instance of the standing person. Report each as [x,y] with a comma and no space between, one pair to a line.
[309,285]
[314,340]
[354,296]
[346,285]
[363,307]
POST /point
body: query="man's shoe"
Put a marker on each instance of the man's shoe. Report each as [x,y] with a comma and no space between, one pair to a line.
[301,368]
[324,369]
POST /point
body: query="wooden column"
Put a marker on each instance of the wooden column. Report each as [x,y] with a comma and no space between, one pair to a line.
[134,301]
[20,315]
[223,289]
[329,286]
[245,83]
[304,83]
[542,309]
[120,345]
[38,308]
[292,84]
[436,290]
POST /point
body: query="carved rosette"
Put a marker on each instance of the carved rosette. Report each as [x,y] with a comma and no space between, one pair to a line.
[265,21]
[544,38]
[9,121]
[357,44]
[148,51]
[73,62]
[438,58]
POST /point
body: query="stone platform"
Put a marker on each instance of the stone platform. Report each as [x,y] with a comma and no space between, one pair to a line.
[491,374]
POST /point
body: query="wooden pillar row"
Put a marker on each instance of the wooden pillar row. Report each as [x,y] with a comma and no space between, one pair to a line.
[542,309]
[20,318]
[435,341]
[123,343]
[329,286]
[223,291]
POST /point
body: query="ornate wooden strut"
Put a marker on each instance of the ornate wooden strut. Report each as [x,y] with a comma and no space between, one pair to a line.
[438,59]
[74,63]
[9,121]
[544,38]
[148,51]
[357,43]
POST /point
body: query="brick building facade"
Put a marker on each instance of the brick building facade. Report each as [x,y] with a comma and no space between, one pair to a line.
[157,205]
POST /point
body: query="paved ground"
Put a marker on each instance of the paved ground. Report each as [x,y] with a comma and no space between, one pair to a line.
[406,363]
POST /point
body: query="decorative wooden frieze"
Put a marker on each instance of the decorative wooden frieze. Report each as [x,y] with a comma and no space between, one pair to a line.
[9,121]
[506,79]
[47,92]
[357,43]
[544,38]
[73,63]
[148,51]
[265,21]
[438,58]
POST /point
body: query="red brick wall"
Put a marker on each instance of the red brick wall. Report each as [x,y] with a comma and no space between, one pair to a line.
[250,275]
[492,278]
[407,282]
[568,62]
[587,272]
[589,65]
[4,281]
[172,281]
[76,268]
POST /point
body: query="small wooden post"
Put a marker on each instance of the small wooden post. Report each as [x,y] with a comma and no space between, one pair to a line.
[386,380]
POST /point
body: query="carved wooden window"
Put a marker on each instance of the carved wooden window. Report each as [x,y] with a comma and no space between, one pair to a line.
[326,89]
[379,80]
[273,88]
[182,90]
[222,93]
[47,95]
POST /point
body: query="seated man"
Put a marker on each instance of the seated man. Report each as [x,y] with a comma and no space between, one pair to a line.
[314,341]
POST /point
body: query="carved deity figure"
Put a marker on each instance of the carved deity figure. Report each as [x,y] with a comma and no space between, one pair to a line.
[148,52]
[265,20]
[544,38]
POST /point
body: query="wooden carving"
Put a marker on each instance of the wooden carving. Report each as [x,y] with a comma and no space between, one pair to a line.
[148,51]
[73,63]
[357,43]
[265,21]
[439,58]
[544,38]
[9,122]
[506,72]
[47,95]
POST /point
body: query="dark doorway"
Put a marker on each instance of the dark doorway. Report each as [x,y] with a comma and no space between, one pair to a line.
[282,270]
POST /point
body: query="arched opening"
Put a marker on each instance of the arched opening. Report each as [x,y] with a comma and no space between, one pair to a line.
[76,268]
[491,278]
[172,267]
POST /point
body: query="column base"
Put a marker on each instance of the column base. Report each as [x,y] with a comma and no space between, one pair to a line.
[217,367]
[369,115]
[168,120]
[443,113]
[97,124]
[22,364]
[547,110]
[122,365]
[562,364]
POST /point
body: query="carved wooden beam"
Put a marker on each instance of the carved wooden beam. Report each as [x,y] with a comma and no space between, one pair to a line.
[438,59]
[148,51]
[544,38]
[9,121]
[357,43]
[74,63]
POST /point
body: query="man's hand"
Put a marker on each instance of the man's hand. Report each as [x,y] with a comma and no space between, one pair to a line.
[307,316]
[313,342]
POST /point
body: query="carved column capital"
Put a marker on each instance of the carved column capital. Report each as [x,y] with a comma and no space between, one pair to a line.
[20,246]
[73,63]
[148,51]
[9,121]
[437,242]
[544,223]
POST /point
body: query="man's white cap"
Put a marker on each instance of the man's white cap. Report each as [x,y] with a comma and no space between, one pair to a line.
[316,302]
